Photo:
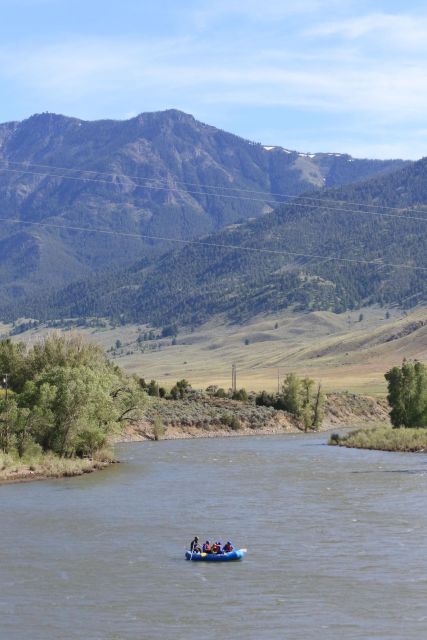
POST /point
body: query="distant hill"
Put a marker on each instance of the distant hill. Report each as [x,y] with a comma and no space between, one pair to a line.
[264,265]
[159,174]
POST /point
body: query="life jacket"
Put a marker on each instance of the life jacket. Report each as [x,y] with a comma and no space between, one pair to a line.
[228,548]
[207,548]
[215,548]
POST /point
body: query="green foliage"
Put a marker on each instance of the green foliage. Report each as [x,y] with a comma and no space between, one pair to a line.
[67,398]
[292,395]
[299,398]
[235,423]
[407,394]
[180,389]
[170,330]
[384,439]
[158,428]
[153,389]
[241,395]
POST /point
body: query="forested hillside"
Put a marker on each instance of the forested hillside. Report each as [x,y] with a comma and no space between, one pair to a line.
[158,174]
[337,249]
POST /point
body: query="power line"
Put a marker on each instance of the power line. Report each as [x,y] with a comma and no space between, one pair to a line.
[377,262]
[233,197]
[267,194]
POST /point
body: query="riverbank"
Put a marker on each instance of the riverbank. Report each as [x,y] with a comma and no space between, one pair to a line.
[50,466]
[211,418]
[201,418]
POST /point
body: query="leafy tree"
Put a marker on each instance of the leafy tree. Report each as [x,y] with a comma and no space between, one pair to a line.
[291,395]
[180,389]
[153,389]
[407,394]
[299,399]
[264,399]
[66,397]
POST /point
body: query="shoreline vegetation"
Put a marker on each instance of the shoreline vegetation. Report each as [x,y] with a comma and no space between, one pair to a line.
[64,405]
[207,418]
[402,439]
[50,465]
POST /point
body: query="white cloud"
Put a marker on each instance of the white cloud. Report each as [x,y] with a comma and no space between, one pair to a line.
[394,30]
[394,90]
[258,10]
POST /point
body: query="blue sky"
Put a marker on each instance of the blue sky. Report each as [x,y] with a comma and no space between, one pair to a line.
[312,75]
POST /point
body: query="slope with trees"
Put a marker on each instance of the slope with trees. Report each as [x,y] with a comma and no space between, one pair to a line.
[323,252]
[147,175]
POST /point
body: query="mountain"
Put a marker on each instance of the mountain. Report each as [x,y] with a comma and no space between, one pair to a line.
[336,249]
[159,174]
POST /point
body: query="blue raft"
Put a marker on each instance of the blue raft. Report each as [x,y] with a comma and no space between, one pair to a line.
[236,554]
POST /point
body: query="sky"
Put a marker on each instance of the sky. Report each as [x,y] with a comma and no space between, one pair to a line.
[312,75]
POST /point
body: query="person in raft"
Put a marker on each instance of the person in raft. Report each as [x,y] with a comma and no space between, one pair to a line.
[194,546]
[207,547]
[227,547]
[216,547]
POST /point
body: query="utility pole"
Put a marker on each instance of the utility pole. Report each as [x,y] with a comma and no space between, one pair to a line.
[5,385]
[278,380]
[233,378]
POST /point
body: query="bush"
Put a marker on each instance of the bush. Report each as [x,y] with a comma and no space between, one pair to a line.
[235,423]
[158,428]
[240,395]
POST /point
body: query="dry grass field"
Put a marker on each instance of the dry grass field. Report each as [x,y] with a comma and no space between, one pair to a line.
[345,354]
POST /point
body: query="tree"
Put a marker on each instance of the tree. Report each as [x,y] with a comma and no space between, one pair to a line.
[170,330]
[299,399]
[66,397]
[291,395]
[180,389]
[318,409]
[407,394]
[153,389]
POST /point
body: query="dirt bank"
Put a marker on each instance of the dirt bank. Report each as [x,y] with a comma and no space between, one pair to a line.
[183,419]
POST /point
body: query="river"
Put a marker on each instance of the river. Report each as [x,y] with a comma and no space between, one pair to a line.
[336,538]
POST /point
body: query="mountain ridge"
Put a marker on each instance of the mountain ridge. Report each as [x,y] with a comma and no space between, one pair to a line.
[315,253]
[157,174]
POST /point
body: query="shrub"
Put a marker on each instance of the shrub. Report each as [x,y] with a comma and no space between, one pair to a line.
[158,428]
[235,423]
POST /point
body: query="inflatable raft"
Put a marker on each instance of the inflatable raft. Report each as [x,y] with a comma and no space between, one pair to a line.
[236,554]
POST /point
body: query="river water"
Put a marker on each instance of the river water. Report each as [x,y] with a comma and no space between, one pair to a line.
[336,538]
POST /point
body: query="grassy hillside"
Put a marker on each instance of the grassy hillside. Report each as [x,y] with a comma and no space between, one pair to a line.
[345,354]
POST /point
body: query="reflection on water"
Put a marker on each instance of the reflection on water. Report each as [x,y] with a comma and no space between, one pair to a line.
[336,544]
